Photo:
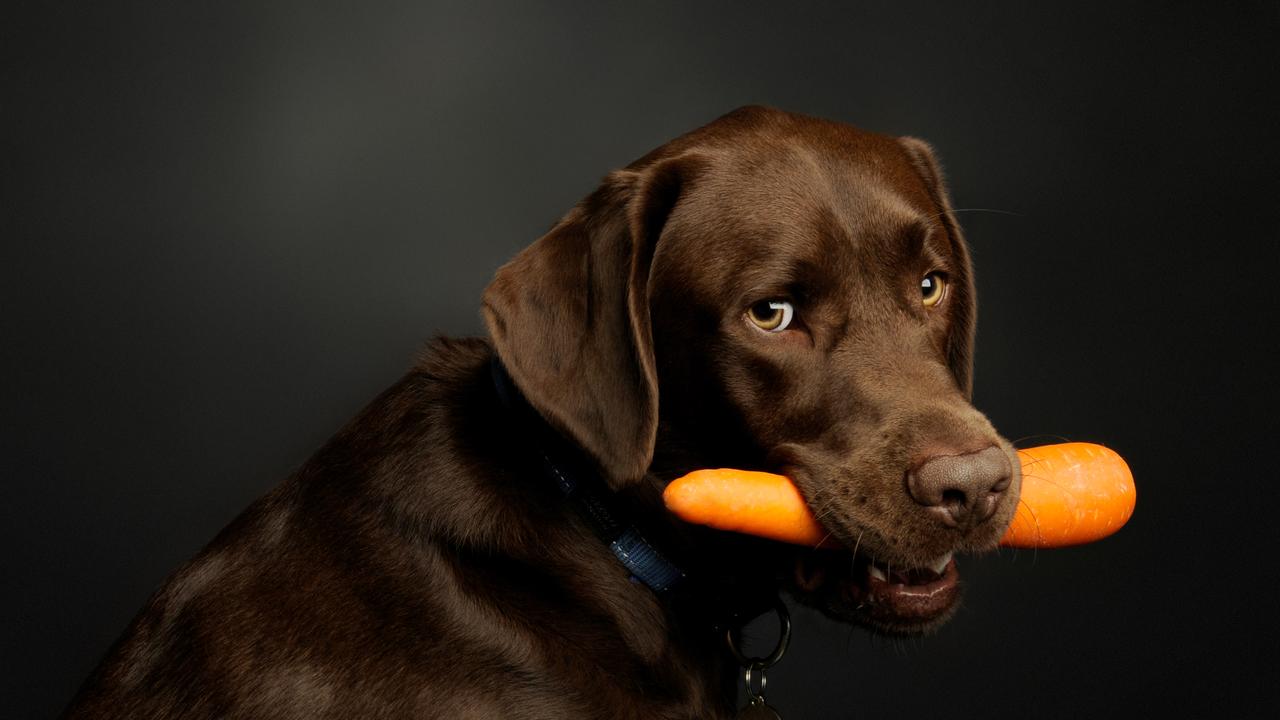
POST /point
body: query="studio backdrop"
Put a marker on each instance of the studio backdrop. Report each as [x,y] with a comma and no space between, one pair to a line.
[227,227]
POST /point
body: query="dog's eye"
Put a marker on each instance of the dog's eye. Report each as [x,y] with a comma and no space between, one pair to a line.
[932,287]
[771,315]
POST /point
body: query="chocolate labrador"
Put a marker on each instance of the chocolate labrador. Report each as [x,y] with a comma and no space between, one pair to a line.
[487,540]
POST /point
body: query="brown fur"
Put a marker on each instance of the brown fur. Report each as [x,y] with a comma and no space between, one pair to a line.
[419,565]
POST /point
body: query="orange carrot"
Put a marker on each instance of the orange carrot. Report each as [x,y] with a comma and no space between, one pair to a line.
[1072,493]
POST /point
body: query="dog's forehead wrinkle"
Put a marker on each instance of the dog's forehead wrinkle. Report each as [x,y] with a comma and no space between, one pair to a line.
[888,219]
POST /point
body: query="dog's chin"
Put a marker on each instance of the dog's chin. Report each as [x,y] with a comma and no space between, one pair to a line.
[880,597]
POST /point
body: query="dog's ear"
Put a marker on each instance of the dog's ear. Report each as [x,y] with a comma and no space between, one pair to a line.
[963,298]
[569,317]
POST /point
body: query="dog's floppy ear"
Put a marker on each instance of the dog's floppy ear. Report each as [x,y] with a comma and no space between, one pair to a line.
[569,317]
[963,298]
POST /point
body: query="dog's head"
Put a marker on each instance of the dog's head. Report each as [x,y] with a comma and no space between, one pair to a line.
[777,292]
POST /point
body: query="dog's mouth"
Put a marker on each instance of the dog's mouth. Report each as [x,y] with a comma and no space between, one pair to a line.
[883,596]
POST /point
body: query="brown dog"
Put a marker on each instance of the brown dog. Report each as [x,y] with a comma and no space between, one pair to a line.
[486,539]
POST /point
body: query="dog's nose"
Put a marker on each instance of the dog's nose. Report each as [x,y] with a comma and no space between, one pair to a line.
[961,490]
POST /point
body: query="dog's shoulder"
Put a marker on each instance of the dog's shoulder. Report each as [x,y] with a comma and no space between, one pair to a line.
[325,566]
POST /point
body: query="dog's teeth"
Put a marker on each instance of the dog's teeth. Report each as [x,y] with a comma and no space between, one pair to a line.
[877,573]
[941,565]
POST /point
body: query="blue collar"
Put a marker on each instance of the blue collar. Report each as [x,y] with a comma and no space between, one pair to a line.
[581,487]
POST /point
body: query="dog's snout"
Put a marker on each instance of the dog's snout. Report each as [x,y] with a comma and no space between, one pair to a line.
[961,490]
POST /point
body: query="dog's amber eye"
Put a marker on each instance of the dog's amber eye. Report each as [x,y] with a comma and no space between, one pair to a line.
[932,287]
[771,315]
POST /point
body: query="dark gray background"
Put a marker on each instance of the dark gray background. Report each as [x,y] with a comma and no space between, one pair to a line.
[226,229]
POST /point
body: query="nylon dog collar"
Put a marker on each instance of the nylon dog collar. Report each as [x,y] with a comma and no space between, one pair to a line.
[580,486]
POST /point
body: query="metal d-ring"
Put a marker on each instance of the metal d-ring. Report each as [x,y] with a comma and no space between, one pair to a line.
[760,663]
[754,694]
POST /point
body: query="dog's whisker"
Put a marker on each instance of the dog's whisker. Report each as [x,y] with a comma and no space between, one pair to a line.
[996,211]
[827,512]
[1047,481]
[1036,520]
[848,643]
[1049,436]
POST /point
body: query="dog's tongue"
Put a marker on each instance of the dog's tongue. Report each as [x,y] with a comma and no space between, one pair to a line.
[893,595]
[918,594]
[914,576]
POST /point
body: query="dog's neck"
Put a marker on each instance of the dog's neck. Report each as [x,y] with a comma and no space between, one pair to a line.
[565,467]
[717,600]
